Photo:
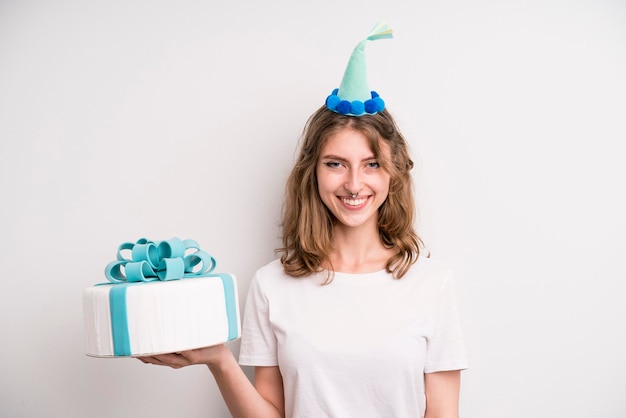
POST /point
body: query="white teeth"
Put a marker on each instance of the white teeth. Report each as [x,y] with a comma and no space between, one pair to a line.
[353,202]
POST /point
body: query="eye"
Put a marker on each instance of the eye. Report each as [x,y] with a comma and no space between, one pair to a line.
[332,164]
[373,164]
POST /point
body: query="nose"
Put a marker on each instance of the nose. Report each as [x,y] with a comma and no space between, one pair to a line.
[353,183]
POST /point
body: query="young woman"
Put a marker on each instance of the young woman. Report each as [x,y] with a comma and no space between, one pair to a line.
[352,320]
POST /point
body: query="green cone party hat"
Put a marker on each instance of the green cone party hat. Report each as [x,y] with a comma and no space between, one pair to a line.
[354,97]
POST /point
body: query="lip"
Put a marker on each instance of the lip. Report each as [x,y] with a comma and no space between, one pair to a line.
[353,204]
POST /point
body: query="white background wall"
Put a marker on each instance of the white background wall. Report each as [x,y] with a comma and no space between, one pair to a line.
[124,119]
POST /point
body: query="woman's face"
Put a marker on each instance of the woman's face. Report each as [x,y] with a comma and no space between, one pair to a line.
[347,166]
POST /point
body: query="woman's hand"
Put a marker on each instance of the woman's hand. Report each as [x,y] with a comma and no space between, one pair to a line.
[211,356]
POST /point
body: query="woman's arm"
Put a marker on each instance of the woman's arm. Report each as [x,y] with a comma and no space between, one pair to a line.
[442,394]
[264,399]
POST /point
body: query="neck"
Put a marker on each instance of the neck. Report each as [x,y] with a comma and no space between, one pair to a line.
[358,250]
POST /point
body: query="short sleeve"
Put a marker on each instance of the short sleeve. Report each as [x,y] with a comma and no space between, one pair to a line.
[445,347]
[258,342]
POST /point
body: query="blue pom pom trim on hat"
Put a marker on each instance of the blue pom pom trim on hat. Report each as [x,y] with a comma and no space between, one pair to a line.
[357,107]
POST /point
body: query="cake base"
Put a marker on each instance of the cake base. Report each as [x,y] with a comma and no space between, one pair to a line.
[143,319]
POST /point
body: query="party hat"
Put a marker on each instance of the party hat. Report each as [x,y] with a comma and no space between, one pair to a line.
[354,97]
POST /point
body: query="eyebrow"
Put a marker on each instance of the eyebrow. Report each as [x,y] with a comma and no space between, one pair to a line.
[338,158]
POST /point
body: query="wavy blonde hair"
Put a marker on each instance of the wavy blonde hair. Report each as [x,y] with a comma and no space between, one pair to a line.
[307,224]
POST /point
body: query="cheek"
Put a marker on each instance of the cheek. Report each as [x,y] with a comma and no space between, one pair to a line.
[322,188]
[326,192]
[326,182]
[385,184]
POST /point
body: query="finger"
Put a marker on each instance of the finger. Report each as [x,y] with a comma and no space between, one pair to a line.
[159,361]
[147,359]
[172,360]
[189,356]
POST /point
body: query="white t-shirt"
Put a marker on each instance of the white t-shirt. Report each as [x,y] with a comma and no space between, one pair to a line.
[357,347]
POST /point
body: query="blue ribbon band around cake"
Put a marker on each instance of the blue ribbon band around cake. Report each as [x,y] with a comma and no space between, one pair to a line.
[150,261]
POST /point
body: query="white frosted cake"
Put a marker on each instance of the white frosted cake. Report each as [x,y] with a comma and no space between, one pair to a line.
[140,314]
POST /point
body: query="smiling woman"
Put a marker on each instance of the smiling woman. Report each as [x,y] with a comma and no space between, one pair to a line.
[352,320]
[355,320]
[341,157]
[349,173]
[351,181]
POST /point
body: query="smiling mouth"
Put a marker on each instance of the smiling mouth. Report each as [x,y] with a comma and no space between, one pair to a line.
[353,202]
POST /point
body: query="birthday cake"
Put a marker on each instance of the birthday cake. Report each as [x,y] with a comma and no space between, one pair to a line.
[161,297]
